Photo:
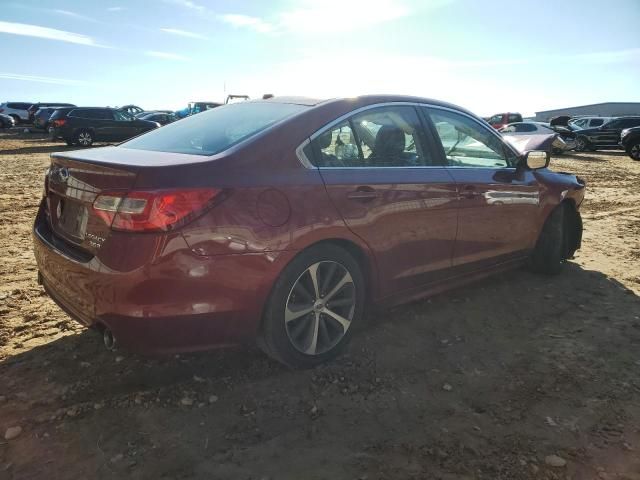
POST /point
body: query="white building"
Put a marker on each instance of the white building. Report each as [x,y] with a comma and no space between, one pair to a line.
[608,109]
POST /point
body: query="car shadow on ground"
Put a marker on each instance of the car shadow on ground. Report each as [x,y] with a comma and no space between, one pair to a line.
[487,363]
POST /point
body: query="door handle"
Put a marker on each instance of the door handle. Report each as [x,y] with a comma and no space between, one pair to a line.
[363,193]
[469,191]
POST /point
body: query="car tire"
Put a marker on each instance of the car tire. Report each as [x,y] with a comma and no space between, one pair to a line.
[84,138]
[319,325]
[16,119]
[633,150]
[582,144]
[550,252]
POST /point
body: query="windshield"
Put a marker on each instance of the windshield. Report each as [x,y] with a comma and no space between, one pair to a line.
[215,130]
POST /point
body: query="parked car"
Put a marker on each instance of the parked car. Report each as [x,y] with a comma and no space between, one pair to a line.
[499,120]
[16,110]
[132,110]
[84,125]
[41,118]
[605,136]
[588,122]
[557,144]
[630,141]
[6,121]
[281,219]
[198,107]
[162,118]
[37,106]
[147,112]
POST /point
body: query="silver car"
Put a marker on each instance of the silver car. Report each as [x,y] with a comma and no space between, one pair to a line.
[16,110]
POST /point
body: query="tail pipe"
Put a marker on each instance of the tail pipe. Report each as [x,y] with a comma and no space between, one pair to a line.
[109,340]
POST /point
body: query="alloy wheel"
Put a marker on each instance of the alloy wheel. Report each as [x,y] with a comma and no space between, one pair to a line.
[84,138]
[320,307]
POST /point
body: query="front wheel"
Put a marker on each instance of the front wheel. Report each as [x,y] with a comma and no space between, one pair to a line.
[313,307]
[582,144]
[634,150]
[550,252]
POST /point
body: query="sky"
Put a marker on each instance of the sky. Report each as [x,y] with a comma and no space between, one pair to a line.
[487,56]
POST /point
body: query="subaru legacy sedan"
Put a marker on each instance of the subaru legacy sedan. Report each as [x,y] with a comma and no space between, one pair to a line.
[279,220]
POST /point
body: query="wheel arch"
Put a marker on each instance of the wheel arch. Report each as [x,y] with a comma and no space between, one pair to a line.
[361,255]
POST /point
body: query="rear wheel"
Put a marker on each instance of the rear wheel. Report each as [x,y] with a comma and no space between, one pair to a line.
[84,138]
[313,308]
[550,252]
[634,150]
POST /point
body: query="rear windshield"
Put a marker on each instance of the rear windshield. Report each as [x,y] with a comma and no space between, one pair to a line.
[215,130]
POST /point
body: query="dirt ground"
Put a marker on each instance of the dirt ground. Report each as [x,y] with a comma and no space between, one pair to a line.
[485,382]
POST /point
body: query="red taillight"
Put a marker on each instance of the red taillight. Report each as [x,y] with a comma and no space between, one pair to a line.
[60,122]
[148,211]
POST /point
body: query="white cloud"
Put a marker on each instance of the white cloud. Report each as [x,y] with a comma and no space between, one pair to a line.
[187,4]
[613,56]
[75,15]
[48,33]
[36,78]
[167,56]
[246,21]
[115,9]
[341,16]
[183,33]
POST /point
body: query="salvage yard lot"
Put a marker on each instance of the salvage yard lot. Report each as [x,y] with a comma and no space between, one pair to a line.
[483,382]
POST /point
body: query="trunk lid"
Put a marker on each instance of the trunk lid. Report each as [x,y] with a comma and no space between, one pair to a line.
[72,186]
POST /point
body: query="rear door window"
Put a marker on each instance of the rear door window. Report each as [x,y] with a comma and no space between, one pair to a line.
[596,122]
[379,137]
[514,117]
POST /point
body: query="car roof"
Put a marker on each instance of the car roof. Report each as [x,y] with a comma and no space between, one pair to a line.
[360,101]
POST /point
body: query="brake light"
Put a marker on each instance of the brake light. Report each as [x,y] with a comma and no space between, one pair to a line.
[59,122]
[148,211]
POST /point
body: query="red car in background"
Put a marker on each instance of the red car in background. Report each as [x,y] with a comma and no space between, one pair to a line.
[281,219]
[500,120]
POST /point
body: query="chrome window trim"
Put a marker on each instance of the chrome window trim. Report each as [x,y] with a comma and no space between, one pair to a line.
[306,163]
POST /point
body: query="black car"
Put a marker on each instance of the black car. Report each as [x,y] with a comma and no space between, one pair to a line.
[630,141]
[85,125]
[162,118]
[41,117]
[33,109]
[6,121]
[605,136]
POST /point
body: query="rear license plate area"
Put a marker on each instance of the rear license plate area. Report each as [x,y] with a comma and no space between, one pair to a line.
[72,217]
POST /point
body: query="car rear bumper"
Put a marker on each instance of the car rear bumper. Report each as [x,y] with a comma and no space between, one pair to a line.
[176,302]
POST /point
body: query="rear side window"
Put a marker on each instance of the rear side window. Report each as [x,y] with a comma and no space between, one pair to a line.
[596,122]
[630,122]
[215,130]
[514,117]
[18,105]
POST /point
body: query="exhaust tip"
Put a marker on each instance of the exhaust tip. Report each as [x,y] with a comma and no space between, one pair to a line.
[109,340]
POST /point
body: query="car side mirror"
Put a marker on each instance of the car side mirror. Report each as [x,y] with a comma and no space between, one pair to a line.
[537,159]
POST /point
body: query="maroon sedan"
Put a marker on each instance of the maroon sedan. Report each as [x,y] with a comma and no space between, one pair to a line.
[279,220]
